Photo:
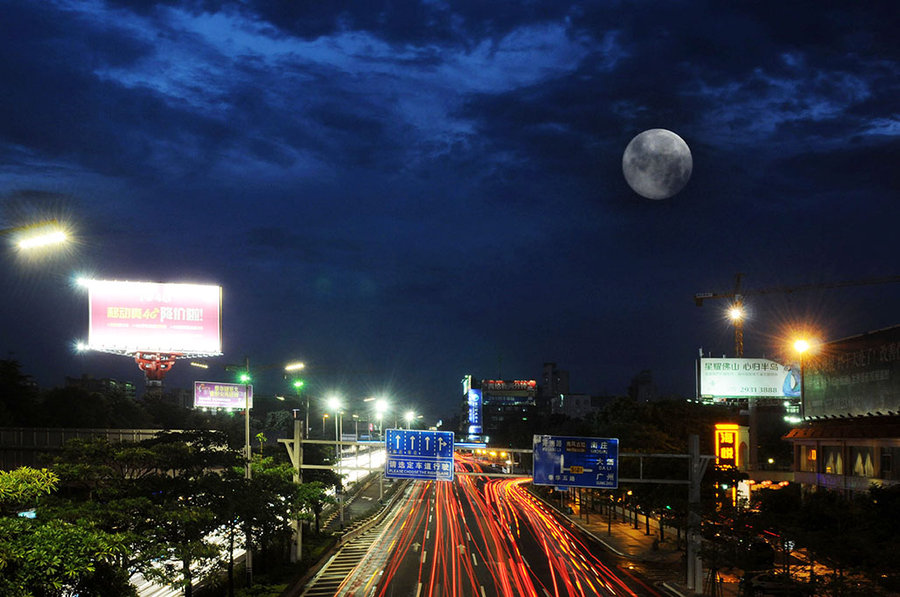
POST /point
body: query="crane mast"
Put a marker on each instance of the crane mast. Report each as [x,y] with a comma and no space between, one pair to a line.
[737,299]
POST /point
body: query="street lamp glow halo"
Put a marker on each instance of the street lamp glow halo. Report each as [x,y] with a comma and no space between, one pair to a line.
[801,346]
[294,366]
[36,236]
[50,238]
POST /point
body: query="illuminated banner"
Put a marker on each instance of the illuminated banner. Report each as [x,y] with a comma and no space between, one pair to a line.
[744,378]
[517,385]
[474,400]
[143,316]
[213,394]
[727,446]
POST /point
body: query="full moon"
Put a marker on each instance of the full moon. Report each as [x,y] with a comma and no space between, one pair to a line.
[657,164]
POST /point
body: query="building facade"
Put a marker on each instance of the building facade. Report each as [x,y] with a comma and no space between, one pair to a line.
[493,406]
[850,438]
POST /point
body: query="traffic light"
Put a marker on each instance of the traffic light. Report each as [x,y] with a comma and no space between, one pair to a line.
[298,384]
[244,377]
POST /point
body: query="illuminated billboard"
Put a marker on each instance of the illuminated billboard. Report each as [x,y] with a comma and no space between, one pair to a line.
[213,394]
[127,317]
[731,445]
[474,401]
[518,387]
[746,378]
[854,377]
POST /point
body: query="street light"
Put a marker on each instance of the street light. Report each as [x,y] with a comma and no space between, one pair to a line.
[38,235]
[736,313]
[409,417]
[802,346]
[334,403]
[380,407]
[298,385]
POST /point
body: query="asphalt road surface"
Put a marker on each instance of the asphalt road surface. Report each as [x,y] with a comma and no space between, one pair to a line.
[480,537]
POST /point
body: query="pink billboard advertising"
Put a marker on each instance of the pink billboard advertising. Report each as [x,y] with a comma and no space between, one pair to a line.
[145,316]
[213,394]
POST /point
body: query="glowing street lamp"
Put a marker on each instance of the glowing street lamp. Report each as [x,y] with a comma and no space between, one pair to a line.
[38,235]
[298,385]
[409,417]
[334,404]
[802,346]
[381,407]
[736,313]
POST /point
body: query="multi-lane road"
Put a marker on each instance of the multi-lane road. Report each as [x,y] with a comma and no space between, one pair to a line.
[479,537]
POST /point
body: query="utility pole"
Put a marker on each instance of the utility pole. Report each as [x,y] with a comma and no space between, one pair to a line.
[248,388]
[697,467]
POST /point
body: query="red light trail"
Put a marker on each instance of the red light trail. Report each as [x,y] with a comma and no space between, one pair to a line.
[478,537]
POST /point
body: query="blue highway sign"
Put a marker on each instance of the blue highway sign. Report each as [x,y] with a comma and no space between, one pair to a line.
[413,454]
[576,462]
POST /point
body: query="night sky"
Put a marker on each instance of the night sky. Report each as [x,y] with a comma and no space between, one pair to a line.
[402,193]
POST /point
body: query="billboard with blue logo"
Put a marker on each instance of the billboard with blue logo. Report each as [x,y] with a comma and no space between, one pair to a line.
[474,401]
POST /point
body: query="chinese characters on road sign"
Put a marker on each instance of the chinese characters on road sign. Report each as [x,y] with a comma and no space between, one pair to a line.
[413,454]
[576,461]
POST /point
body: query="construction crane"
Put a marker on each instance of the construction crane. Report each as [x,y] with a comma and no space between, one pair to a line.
[736,312]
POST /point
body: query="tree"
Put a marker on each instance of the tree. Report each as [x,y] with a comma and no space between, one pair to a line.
[161,494]
[270,503]
[18,396]
[73,407]
[313,499]
[45,556]
[184,506]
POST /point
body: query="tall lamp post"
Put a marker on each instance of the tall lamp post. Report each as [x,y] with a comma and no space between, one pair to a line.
[802,346]
[736,313]
[245,379]
[298,385]
[334,403]
[381,407]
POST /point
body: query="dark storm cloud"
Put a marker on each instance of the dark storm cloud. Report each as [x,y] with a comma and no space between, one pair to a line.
[800,89]
[407,21]
[61,109]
